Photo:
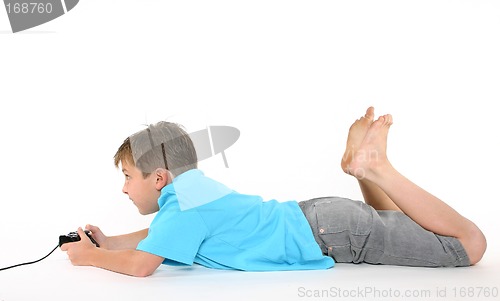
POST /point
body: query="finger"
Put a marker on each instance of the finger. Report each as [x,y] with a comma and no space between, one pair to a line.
[83,235]
[92,228]
[89,227]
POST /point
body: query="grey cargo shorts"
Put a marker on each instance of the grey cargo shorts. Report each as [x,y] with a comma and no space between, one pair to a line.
[352,231]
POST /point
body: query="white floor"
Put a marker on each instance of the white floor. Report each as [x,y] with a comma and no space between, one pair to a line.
[293,72]
[56,279]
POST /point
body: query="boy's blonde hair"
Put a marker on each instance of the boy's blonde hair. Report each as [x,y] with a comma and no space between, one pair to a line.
[161,145]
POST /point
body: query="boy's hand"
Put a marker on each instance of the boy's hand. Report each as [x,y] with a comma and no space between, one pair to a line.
[126,261]
[80,252]
[98,236]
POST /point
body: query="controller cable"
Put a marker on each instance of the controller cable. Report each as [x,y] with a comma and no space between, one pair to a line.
[26,263]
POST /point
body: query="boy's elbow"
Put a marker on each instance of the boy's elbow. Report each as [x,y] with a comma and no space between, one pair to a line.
[146,264]
[143,272]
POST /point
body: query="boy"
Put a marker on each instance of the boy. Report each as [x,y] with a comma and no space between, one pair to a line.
[202,221]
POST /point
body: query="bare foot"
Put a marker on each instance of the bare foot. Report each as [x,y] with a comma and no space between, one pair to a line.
[357,133]
[371,154]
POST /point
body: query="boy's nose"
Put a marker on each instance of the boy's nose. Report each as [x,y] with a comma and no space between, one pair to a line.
[124,190]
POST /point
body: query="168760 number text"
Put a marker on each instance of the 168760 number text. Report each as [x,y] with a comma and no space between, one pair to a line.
[29,8]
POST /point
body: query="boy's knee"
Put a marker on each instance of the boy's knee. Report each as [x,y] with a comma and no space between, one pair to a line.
[475,244]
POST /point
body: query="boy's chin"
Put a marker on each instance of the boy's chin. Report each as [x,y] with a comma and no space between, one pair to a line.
[147,211]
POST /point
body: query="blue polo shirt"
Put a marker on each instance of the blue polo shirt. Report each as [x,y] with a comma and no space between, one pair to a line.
[202,221]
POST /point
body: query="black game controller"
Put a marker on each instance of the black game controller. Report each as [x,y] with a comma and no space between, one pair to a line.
[73,236]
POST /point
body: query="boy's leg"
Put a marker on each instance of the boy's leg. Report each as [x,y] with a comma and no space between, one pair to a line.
[376,197]
[372,194]
[370,163]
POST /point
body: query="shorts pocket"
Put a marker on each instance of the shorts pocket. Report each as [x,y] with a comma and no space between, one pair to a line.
[343,226]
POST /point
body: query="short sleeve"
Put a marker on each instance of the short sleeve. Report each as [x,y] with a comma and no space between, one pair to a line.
[175,235]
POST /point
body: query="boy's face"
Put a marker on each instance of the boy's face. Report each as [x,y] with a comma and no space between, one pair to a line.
[144,193]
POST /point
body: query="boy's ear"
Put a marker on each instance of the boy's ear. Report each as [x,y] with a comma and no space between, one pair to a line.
[163,178]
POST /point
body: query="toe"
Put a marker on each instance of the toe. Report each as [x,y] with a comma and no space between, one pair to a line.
[388,119]
[370,113]
[380,120]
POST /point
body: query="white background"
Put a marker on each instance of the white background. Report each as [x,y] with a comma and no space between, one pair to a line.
[290,75]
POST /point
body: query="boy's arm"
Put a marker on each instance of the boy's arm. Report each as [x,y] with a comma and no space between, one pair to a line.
[126,241]
[131,262]
[120,242]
